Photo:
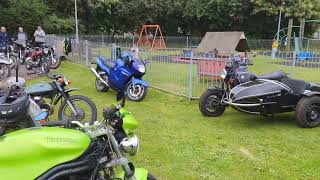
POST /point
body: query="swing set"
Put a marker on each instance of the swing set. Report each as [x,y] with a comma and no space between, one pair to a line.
[151,37]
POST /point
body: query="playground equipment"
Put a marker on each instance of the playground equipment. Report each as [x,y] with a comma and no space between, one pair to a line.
[151,37]
[286,32]
[225,43]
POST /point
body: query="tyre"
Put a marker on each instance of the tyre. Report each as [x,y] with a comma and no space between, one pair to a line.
[308,112]
[151,177]
[86,110]
[55,62]
[136,92]
[45,66]
[13,61]
[100,86]
[28,64]
[5,71]
[210,103]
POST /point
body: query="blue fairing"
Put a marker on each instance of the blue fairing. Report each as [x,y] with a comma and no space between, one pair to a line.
[121,75]
[139,81]
[101,65]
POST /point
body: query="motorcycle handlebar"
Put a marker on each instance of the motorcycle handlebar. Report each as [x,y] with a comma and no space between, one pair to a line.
[55,123]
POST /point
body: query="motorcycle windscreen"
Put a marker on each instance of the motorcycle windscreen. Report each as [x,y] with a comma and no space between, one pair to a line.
[253,91]
[28,153]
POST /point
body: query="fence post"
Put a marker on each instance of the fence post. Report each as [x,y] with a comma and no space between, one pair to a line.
[293,65]
[308,45]
[87,53]
[113,52]
[190,74]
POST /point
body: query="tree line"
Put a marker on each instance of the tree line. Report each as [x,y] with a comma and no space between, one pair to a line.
[258,18]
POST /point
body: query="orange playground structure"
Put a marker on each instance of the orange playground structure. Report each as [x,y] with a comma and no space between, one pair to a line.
[151,37]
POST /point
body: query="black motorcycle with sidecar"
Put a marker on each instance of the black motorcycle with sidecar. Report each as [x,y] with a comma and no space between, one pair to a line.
[263,95]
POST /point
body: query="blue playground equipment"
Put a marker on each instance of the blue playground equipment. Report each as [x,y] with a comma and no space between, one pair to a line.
[301,55]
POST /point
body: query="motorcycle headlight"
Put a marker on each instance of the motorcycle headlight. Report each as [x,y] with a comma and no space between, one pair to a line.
[142,69]
[130,145]
[223,74]
[45,50]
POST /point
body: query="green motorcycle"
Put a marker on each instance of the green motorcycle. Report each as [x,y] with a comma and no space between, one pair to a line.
[93,153]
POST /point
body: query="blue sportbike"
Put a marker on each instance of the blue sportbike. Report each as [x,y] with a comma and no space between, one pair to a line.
[123,75]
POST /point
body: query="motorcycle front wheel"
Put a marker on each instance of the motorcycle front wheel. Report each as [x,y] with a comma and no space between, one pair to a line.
[136,92]
[85,108]
[5,71]
[210,103]
[45,66]
[55,62]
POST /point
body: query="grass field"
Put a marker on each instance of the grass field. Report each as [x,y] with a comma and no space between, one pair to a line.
[177,142]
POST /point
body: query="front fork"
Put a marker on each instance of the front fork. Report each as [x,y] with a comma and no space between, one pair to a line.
[121,160]
[66,97]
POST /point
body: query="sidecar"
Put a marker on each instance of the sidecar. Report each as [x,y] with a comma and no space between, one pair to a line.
[268,97]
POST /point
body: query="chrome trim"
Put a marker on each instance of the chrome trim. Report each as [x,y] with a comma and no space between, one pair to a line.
[243,97]
[95,73]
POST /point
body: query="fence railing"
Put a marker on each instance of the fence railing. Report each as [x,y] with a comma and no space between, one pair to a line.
[184,72]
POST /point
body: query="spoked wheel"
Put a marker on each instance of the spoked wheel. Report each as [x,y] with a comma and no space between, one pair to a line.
[45,66]
[136,92]
[100,86]
[308,112]
[55,62]
[210,103]
[5,71]
[85,108]
[13,61]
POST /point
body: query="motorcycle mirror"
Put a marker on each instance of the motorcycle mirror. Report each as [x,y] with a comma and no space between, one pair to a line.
[146,61]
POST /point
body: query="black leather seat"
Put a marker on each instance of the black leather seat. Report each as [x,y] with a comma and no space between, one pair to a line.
[278,75]
[297,86]
[109,64]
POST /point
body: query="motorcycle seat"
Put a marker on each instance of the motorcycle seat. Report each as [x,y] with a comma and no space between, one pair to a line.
[297,86]
[278,75]
[109,64]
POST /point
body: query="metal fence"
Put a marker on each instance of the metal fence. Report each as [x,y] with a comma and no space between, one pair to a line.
[185,72]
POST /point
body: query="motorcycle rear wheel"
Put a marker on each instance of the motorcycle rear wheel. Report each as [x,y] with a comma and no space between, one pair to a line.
[100,86]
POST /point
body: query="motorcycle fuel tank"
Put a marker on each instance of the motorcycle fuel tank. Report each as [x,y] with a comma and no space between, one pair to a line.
[28,153]
[39,89]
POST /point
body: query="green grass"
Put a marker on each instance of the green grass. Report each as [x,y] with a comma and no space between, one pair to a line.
[177,142]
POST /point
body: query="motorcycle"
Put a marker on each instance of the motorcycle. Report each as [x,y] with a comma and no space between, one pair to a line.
[123,75]
[7,53]
[76,107]
[263,95]
[38,58]
[59,153]
[17,110]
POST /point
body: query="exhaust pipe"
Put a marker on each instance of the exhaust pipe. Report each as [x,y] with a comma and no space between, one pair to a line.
[98,76]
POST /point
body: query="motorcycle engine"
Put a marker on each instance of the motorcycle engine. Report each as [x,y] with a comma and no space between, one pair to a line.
[43,105]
